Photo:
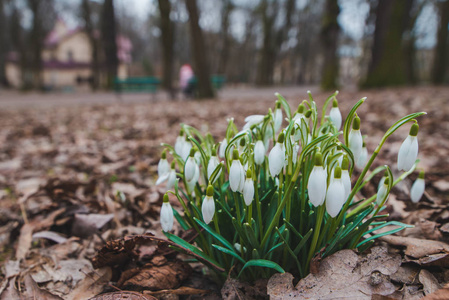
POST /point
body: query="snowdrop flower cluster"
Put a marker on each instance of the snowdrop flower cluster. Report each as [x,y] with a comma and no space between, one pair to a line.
[283,187]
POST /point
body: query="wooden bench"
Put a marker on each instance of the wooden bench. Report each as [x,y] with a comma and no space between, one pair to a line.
[137,85]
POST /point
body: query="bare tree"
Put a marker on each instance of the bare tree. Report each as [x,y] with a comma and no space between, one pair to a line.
[440,63]
[108,34]
[167,43]
[86,13]
[330,31]
[388,64]
[3,79]
[227,9]
[201,63]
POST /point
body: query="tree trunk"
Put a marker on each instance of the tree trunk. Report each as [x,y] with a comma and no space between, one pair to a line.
[201,64]
[330,31]
[167,43]
[267,53]
[440,63]
[109,33]
[228,6]
[3,79]
[88,26]
[36,43]
[388,66]
[18,43]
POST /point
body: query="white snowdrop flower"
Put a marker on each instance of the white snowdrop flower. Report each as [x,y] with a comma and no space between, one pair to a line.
[409,150]
[222,149]
[277,116]
[276,158]
[355,140]
[317,184]
[197,157]
[191,184]
[170,177]
[299,114]
[335,195]
[163,167]
[345,176]
[418,188]
[186,147]
[166,215]
[382,180]
[295,153]
[253,120]
[189,168]
[382,193]
[248,188]
[335,115]
[363,158]
[212,165]
[208,206]
[179,143]
[242,144]
[236,173]
[259,152]
[268,136]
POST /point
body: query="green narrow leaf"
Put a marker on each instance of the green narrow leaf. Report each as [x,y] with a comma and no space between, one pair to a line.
[285,105]
[180,220]
[227,251]
[303,242]
[215,235]
[262,263]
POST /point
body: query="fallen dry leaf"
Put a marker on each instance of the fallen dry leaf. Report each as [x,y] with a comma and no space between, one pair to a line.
[34,292]
[122,295]
[441,294]
[343,274]
[417,248]
[429,282]
[92,284]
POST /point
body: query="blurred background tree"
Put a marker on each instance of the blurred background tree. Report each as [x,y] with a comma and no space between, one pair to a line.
[332,43]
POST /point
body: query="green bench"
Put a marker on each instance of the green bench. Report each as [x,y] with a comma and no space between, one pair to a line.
[137,85]
[218,81]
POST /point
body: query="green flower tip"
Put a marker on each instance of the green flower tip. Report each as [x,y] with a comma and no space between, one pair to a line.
[421,175]
[386,174]
[345,163]
[278,104]
[293,131]
[318,159]
[249,174]
[214,152]
[210,191]
[308,113]
[335,103]
[242,142]
[337,173]
[164,154]
[192,152]
[414,129]
[387,181]
[339,148]
[173,165]
[181,132]
[281,137]
[235,154]
[356,123]
[300,109]
[364,144]
[166,198]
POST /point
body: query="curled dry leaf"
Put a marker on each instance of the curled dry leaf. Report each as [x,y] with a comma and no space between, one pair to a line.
[429,282]
[122,295]
[417,248]
[343,274]
[442,294]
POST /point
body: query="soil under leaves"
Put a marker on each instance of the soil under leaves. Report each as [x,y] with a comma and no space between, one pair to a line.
[77,181]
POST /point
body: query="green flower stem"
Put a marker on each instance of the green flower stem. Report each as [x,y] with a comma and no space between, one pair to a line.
[256,199]
[237,206]
[316,233]
[361,207]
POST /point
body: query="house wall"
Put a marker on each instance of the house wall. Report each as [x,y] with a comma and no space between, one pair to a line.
[56,78]
[13,74]
[78,45]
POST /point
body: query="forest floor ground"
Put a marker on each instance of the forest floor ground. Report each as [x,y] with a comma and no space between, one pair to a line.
[78,171]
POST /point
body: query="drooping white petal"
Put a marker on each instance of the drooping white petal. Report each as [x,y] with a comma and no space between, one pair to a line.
[346,179]
[417,190]
[191,184]
[179,144]
[208,209]
[335,197]
[248,191]
[276,159]
[268,136]
[189,168]
[259,152]
[162,178]
[408,153]
[295,151]
[355,143]
[171,179]
[212,165]
[163,167]
[381,194]
[236,175]
[317,185]
[166,216]
[277,119]
[186,150]
[253,120]
[222,149]
[363,158]
[335,117]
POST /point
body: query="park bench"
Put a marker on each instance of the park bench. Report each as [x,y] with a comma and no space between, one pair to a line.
[218,81]
[136,85]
